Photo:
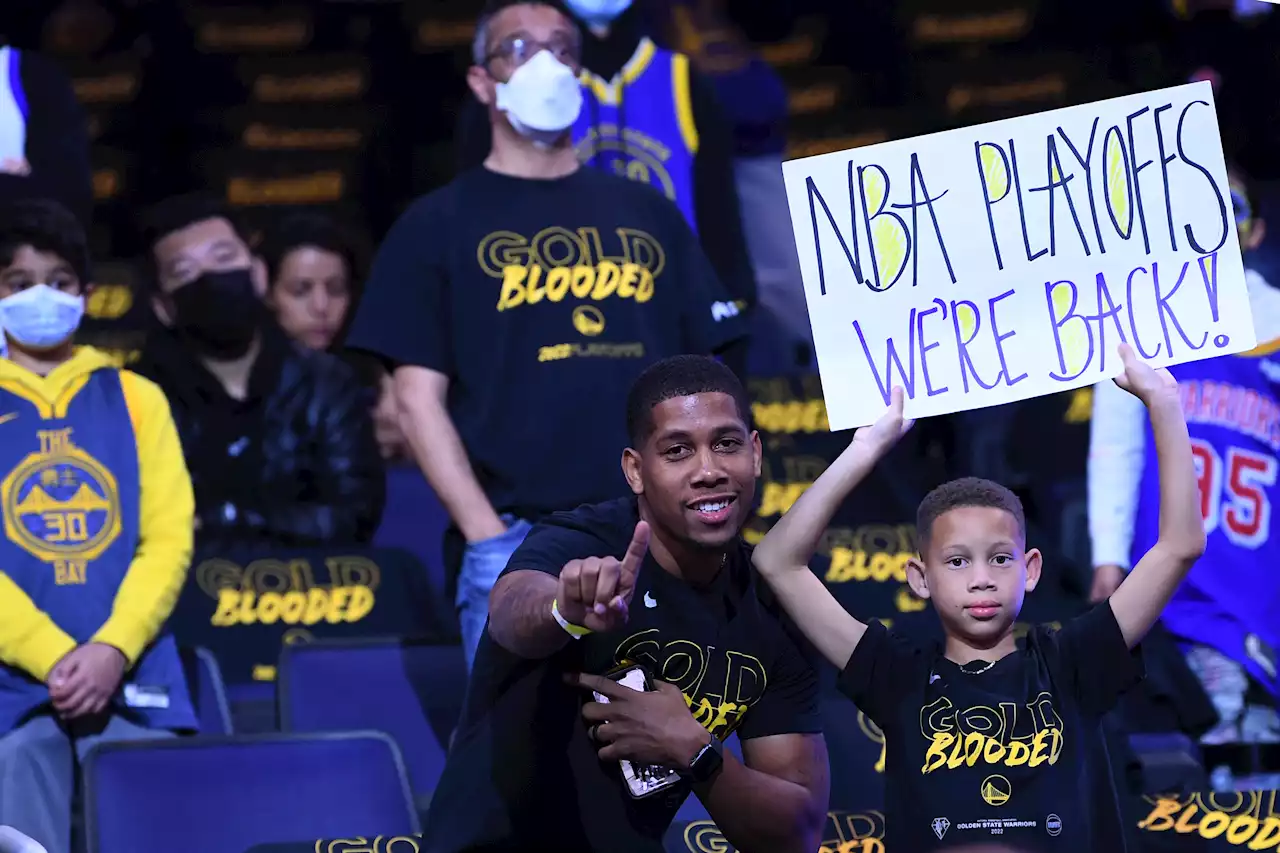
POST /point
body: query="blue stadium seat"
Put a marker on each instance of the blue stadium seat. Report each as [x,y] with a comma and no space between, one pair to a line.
[222,795]
[412,691]
[204,679]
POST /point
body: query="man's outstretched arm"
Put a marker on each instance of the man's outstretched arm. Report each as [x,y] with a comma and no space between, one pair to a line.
[520,617]
[588,594]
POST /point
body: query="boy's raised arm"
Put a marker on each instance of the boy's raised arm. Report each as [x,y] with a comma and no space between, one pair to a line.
[782,558]
[1139,601]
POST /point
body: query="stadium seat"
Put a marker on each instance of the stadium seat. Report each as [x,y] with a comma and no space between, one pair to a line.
[412,691]
[204,679]
[222,795]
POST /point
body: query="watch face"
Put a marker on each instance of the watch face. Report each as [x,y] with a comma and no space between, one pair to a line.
[705,762]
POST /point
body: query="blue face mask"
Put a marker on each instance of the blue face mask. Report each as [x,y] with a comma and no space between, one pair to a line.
[597,13]
[41,317]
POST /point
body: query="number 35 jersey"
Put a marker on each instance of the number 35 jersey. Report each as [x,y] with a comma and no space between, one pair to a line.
[1231,598]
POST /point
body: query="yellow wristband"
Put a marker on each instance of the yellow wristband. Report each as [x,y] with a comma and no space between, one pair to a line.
[575,631]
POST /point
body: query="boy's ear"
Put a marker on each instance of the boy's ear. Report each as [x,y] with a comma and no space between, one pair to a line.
[1034,565]
[916,578]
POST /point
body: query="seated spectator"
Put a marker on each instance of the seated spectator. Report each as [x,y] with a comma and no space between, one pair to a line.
[313,275]
[44,135]
[278,437]
[97,517]
[311,269]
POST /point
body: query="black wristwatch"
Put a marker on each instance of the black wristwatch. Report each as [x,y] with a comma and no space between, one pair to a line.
[706,763]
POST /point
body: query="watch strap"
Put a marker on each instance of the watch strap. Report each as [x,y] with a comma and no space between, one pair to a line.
[707,762]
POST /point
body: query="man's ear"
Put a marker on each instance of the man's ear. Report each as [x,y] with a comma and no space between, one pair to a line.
[916,578]
[757,452]
[631,470]
[481,85]
[1034,563]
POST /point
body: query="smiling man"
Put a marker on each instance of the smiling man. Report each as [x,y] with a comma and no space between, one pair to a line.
[661,580]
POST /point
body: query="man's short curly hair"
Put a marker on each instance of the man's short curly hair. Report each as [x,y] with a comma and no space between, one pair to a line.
[965,492]
[679,376]
[45,226]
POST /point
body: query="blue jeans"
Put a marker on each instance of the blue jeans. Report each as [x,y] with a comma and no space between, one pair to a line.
[482,562]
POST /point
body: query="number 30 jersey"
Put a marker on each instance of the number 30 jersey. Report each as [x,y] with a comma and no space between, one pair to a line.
[1231,599]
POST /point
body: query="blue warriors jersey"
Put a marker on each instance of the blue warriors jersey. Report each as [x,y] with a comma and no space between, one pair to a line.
[77,563]
[1231,598]
[640,125]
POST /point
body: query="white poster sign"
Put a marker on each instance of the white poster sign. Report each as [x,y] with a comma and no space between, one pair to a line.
[1005,261]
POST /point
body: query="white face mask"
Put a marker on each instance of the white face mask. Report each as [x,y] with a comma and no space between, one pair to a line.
[542,99]
[41,317]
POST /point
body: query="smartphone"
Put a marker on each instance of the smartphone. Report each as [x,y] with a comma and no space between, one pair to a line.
[642,780]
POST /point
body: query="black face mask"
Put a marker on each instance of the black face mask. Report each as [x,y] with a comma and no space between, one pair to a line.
[219,313]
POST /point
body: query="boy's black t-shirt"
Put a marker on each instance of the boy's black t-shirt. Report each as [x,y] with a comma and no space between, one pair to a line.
[1013,754]
[523,773]
[541,301]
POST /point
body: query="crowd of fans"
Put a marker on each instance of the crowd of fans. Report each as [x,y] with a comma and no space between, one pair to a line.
[613,203]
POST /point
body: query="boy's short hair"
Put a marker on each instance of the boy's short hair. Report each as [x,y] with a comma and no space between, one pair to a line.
[679,376]
[45,226]
[965,492]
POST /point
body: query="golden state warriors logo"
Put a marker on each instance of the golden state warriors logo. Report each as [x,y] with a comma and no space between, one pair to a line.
[639,157]
[588,320]
[61,504]
[996,790]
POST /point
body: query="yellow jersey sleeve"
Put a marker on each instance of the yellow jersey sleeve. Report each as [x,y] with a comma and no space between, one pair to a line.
[165,525]
[29,639]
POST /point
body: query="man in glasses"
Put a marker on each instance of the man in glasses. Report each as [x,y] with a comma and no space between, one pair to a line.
[521,300]
[1227,611]
[651,116]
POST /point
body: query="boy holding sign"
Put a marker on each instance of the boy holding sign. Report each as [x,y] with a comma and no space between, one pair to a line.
[989,738]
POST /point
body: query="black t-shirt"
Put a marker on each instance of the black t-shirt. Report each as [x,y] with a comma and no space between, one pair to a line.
[1013,754]
[523,773]
[542,300]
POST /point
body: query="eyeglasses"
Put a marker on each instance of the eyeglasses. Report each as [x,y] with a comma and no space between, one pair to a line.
[520,48]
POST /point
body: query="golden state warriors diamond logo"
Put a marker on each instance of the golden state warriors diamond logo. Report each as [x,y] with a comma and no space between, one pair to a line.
[940,826]
[60,502]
